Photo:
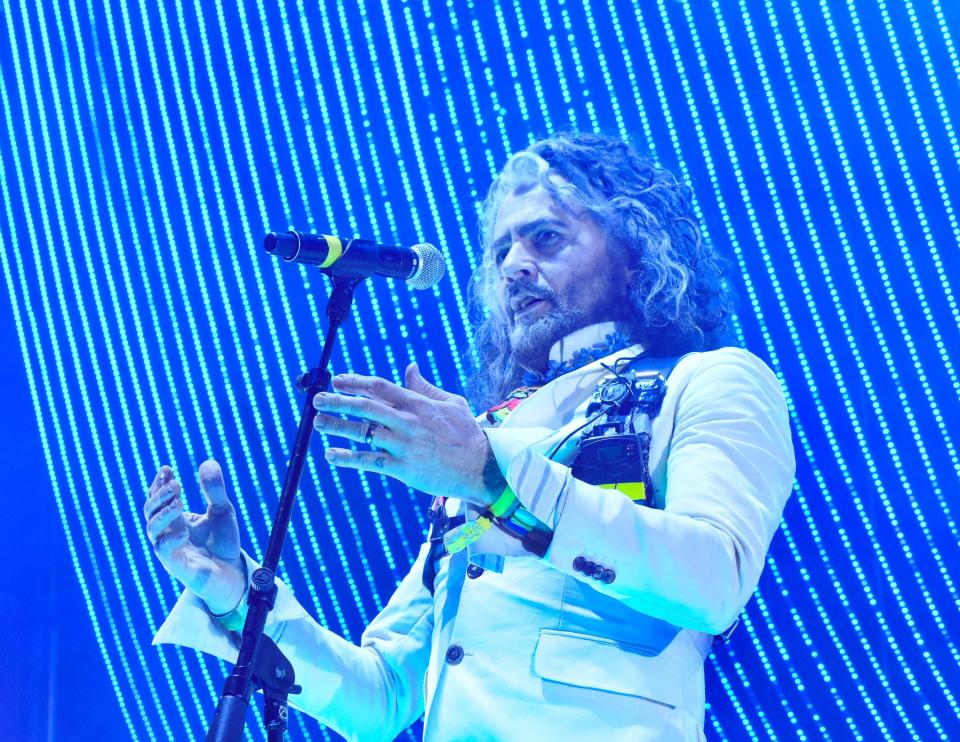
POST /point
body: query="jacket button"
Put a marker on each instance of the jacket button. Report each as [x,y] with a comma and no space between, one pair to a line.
[454,654]
[579,563]
[608,576]
[590,568]
[474,571]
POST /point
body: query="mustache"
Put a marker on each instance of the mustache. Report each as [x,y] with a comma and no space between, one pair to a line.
[528,288]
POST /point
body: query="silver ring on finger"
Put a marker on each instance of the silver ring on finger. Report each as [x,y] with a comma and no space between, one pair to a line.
[372,429]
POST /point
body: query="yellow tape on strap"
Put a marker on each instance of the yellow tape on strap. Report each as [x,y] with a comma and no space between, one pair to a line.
[634,490]
[335,248]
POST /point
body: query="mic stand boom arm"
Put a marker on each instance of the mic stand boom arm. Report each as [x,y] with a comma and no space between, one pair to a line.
[260,663]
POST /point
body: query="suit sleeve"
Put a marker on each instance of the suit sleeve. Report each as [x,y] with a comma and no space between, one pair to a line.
[367,692]
[729,471]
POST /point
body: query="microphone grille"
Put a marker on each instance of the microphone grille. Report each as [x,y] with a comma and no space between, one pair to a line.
[432,267]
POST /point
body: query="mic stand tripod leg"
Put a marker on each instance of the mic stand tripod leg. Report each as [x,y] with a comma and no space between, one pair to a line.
[275,675]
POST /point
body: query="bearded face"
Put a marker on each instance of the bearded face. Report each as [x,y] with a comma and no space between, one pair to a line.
[556,273]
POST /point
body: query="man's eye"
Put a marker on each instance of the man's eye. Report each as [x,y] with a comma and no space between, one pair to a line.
[500,255]
[547,237]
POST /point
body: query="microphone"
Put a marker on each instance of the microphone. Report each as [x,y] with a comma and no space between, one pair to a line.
[421,266]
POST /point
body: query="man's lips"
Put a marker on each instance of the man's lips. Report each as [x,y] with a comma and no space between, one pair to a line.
[527,305]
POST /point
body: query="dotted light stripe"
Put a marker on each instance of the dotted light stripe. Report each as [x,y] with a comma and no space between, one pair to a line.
[918,369]
[751,212]
[827,277]
[737,668]
[133,504]
[79,408]
[148,348]
[38,379]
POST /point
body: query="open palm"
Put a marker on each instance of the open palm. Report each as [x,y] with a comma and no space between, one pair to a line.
[200,550]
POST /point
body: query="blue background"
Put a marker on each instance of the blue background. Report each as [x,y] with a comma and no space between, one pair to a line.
[146,149]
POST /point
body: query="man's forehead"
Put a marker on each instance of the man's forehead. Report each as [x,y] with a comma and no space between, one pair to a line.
[523,206]
[520,204]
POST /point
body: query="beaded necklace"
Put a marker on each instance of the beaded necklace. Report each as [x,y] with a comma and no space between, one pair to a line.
[611,344]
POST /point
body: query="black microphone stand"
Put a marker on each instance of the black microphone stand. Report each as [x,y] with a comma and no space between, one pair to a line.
[260,663]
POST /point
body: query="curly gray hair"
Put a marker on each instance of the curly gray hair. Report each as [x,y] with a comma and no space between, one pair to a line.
[679,300]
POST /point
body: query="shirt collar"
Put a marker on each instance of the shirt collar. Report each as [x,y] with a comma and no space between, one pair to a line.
[564,349]
[578,349]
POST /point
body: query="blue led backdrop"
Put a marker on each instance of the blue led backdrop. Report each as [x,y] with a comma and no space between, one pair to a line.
[147,147]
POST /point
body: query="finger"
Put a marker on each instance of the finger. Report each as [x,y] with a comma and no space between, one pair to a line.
[163,476]
[168,516]
[374,387]
[161,498]
[379,462]
[364,407]
[353,430]
[212,484]
[416,383]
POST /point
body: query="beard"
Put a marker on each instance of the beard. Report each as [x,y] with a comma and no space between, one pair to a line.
[531,342]
[595,299]
[532,339]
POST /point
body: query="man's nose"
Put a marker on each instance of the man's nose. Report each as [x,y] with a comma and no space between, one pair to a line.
[519,263]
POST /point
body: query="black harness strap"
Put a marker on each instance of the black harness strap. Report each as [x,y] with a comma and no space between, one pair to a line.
[614,447]
[440,523]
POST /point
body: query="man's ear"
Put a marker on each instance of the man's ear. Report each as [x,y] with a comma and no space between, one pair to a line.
[618,253]
[630,269]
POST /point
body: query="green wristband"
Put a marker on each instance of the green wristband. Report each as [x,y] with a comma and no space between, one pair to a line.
[505,504]
[234,620]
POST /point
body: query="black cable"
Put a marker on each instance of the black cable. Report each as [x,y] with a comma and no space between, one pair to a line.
[605,405]
[589,420]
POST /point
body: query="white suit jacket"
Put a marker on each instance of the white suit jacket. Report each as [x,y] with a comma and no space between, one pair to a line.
[538,649]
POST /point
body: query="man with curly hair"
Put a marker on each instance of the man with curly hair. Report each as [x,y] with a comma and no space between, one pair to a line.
[675,300]
[543,603]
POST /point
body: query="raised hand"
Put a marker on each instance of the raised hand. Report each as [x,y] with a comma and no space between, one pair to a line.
[201,550]
[424,436]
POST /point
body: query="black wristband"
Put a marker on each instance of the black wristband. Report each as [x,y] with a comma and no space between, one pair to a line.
[537,542]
